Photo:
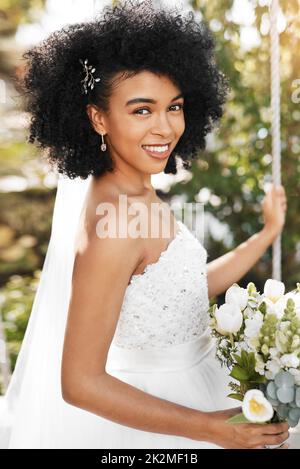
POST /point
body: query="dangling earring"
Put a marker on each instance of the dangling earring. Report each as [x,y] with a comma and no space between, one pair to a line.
[103,145]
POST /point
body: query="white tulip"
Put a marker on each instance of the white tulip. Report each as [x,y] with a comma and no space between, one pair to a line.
[273,290]
[290,360]
[276,308]
[279,306]
[229,319]
[256,408]
[237,295]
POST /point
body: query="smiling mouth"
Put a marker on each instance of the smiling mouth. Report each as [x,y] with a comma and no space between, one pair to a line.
[157,154]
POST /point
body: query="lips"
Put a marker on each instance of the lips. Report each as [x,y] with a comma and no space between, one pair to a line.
[158,155]
[157,144]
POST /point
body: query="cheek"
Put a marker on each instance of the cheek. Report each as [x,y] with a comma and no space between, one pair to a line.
[178,124]
[130,130]
[181,125]
[127,138]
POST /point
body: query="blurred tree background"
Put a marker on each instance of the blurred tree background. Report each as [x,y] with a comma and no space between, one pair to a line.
[228,177]
[27,187]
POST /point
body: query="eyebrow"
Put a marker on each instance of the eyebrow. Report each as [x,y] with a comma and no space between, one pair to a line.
[149,100]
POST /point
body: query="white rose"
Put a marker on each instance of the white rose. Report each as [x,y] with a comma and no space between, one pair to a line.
[273,290]
[290,360]
[237,295]
[256,408]
[229,319]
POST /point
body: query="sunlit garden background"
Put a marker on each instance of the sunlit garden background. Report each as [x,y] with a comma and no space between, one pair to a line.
[228,178]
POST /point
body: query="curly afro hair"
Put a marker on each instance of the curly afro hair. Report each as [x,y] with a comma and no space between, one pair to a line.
[130,37]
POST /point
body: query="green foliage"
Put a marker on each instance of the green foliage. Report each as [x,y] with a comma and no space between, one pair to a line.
[245,375]
[237,396]
[284,395]
[14,12]
[235,166]
[238,418]
[25,224]
[16,303]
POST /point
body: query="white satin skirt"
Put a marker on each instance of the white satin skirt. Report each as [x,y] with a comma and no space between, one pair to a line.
[187,374]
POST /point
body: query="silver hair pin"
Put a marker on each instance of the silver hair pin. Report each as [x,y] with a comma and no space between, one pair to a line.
[89,79]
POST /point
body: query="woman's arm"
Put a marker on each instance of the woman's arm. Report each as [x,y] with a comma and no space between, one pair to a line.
[101,274]
[230,268]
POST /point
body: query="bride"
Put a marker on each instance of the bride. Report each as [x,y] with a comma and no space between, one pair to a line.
[117,352]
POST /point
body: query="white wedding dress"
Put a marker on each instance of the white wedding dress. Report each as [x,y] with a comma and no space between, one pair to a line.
[161,345]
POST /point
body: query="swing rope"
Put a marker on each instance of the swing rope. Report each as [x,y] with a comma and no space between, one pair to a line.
[275,106]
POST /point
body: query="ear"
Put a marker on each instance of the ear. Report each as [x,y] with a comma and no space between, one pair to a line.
[96,118]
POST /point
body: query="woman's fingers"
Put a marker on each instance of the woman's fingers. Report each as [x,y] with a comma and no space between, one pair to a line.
[278,439]
[278,192]
[283,446]
[274,428]
[272,434]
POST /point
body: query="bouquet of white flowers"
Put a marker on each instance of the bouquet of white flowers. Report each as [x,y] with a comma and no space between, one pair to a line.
[258,339]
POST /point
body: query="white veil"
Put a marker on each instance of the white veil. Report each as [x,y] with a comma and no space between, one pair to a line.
[34,390]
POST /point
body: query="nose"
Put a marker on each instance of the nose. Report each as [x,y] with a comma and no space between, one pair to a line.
[163,126]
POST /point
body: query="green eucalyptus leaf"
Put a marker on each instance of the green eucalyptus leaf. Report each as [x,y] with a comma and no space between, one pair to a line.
[237,396]
[238,418]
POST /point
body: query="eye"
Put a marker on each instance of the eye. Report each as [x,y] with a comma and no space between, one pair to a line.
[181,106]
[141,109]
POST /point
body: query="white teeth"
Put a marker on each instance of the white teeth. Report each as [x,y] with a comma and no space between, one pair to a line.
[157,149]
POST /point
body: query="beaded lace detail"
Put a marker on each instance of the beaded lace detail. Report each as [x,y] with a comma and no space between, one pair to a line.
[168,303]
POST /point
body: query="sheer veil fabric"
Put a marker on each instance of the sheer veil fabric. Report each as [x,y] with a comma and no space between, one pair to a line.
[34,390]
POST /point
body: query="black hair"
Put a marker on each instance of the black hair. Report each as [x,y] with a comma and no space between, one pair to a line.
[129,37]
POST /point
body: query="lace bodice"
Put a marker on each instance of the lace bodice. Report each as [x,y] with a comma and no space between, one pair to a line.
[167,304]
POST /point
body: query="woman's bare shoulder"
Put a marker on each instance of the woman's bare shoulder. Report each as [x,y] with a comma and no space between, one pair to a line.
[104,232]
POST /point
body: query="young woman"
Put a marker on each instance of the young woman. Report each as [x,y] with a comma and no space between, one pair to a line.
[120,355]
